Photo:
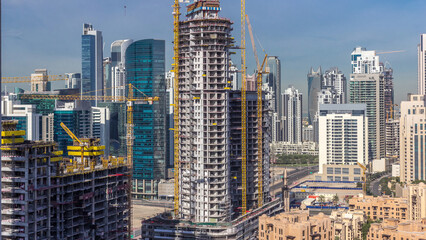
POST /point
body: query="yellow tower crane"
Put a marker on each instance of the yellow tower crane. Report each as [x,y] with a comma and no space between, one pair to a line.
[75,138]
[364,177]
[243,109]
[27,79]
[260,73]
[130,127]
[176,14]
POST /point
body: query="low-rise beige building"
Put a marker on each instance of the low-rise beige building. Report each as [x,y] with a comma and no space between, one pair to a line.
[295,225]
[416,196]
[393,229]
[347,224]
[340,172]
[381,207]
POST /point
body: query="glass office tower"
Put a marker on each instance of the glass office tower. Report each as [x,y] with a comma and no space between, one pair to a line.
[145,69]
[92,62]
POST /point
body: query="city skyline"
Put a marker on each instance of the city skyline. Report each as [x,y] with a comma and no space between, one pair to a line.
[298,50]
[160,120]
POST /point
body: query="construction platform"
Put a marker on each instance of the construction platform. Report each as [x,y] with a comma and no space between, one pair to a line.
[246,227]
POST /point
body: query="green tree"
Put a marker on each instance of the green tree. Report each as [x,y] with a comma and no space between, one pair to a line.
[321,199]
[365,228]
[335,199]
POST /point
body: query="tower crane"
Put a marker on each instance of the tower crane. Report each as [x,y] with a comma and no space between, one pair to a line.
[27,79]
[364,176]
[260,73]
[176,14]
[243,109]
[75,138]
[130,127]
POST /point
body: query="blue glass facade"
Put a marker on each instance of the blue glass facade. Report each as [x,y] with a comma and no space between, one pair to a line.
[145,68]
[69,118]
[88,66]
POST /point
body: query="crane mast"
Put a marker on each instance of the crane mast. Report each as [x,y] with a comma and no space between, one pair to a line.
[260,73]
[129,140]
[260,134]
[176,14]
[243,109]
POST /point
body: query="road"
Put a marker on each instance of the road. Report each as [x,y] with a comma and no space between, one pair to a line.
[374,185]
[163,204]
[294,176]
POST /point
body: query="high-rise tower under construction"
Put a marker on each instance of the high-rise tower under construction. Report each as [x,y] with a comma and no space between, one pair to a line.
[215,182]
[204,112]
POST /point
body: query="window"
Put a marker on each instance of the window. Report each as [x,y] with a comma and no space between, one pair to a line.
[357,171]
[345,178]
[357,179]
[337,179]
[329,170]
[329,178]
[337,171]
[345,170]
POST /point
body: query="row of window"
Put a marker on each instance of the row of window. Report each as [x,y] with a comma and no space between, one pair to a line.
[344,178]
[338,170]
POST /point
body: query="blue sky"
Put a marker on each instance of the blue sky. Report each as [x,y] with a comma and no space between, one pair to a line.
[303,33]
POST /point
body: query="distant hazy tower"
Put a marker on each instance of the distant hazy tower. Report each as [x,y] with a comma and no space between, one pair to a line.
[314,88]
[73,80]
[106,68]
[367,86]
[92,61]
[421,53]
[40,81]
[292,119]
[118,67]
[273,79]
[364,62]
[388,88]
[334,79]
[233,75]
[413,137]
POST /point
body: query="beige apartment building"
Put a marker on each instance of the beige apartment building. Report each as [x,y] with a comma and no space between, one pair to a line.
[393,229]
[340,172]
[381,207]
[412,139]
[347,224]
[416,196]
[295,225]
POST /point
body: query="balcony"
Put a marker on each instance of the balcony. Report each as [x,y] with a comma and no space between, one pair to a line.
[13,211]
[12,200]
[16,222]
[11,232]
[13,158]
[13,179]
[9,168]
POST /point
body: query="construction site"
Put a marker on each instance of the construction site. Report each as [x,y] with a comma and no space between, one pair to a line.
[46,196]
[221,136]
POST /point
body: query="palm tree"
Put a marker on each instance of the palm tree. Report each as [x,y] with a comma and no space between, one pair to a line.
[335,199]
[321,199]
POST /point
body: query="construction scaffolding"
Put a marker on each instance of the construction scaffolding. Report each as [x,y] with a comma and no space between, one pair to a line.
[47,197]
